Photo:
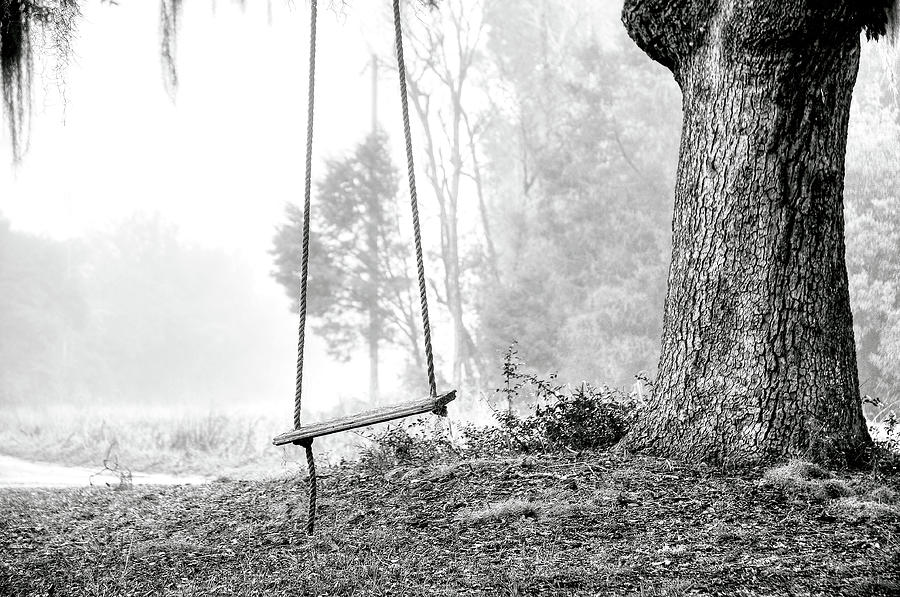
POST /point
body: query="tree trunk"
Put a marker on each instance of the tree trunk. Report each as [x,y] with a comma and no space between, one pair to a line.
[758,359]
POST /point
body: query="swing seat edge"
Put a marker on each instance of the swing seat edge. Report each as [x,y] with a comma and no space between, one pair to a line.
[433,404]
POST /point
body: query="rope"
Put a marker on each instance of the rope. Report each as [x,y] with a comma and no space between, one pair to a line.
[311,467]
[414,202]
[304,264]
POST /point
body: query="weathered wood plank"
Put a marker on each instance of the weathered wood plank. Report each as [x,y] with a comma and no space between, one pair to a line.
[371,417]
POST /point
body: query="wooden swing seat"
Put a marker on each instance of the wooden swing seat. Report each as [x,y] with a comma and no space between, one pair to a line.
[431,404]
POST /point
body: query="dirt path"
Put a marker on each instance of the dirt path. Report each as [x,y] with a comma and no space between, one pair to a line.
[15,472]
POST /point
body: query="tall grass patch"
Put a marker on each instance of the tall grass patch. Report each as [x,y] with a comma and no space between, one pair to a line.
[141,439]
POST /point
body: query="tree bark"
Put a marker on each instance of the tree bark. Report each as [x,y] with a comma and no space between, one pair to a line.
[757,359]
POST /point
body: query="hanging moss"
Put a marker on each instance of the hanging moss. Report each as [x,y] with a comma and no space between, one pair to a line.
[880,18]
[893,25]
[16,67]
[27,27]
[169,15]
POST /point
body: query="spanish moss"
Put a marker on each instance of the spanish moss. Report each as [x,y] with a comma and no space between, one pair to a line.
[893,26]
[169,15]
[881,19]
[26,27]
[169,22]
[16,68]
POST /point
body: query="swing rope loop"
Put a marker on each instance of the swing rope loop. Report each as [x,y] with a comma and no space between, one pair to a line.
[304,264]
[414,201]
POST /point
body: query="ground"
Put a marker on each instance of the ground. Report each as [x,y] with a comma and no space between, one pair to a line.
[574,524]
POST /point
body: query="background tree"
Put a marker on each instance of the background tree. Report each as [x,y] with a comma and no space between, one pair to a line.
[43,314]
[577,157]
[442,62]
[173,323]
[359,290]
[131,313]
[758,358]
[873,230]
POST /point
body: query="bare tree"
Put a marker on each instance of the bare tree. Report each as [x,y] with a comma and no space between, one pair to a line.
[443,54]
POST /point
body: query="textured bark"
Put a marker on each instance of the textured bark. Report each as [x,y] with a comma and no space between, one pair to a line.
[758,359]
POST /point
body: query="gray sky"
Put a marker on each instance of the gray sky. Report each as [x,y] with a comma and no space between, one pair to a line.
[223,159]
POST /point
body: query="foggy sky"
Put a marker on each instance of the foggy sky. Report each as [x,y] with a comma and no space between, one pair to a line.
[221,160]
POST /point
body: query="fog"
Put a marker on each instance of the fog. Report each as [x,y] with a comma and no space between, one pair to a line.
[208,172]
[138,232]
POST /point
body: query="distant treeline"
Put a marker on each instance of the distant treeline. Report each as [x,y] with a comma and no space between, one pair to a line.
[132,315]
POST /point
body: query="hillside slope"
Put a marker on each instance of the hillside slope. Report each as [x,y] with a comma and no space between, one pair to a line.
[587,524]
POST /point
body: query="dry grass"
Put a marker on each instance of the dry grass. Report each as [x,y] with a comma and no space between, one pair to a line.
[556,503]
[212,443]
[877,504]
[801,480]
[505,510]
[858,509]
[796,470]
[724,533]
[883,495]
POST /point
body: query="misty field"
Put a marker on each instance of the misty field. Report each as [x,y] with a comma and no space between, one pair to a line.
[565,524]
[233,442]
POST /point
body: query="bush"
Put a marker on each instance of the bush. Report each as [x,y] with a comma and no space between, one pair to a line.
[883,455]
[540,415]
[584,418]
[562,417]
[401,444]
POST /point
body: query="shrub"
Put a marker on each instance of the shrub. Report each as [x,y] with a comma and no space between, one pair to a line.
[562,417]
[584,418]
[555,417]
[885,452]
[406,444]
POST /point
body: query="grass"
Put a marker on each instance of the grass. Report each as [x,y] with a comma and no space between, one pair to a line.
[805,480]
[855,509]
[212,443]
[507,509]
[876,504]
[547,524]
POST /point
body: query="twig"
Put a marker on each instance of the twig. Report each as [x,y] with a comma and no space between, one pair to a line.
[128,554]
